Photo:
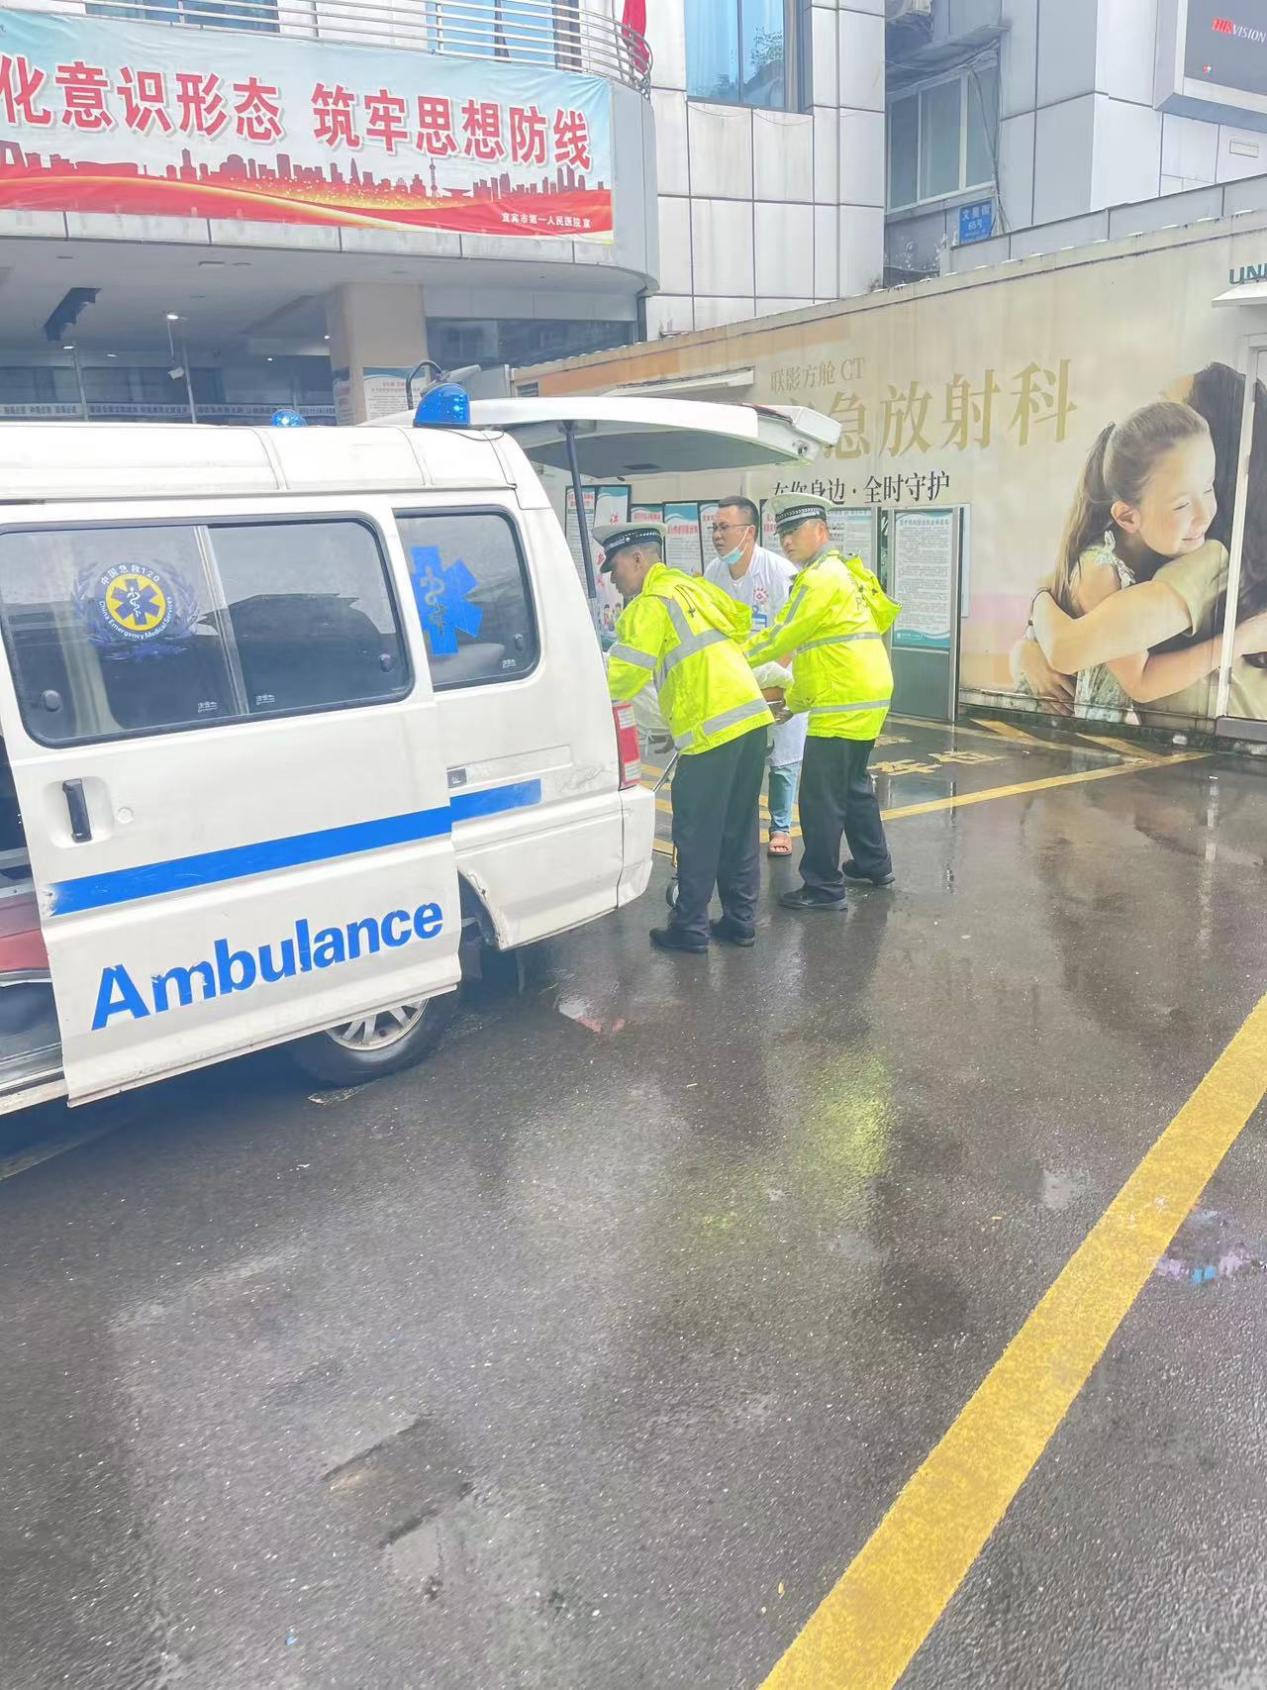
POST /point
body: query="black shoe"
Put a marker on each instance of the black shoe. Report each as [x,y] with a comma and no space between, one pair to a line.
[673,939]
[806,899]
[854,875]
[730,933]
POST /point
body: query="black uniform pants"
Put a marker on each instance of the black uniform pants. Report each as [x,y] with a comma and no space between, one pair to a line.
[838,796]
[716,832]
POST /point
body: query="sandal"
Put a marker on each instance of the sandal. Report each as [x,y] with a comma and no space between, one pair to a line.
[780,845]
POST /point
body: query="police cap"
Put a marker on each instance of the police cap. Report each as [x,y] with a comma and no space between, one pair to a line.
[791,509]
[617,535]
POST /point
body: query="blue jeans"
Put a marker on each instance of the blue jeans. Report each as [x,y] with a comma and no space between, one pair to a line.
[783,784]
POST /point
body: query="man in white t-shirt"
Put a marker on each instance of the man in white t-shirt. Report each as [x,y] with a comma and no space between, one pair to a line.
[761,580]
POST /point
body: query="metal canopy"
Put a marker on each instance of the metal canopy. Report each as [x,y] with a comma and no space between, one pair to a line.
[1248,293]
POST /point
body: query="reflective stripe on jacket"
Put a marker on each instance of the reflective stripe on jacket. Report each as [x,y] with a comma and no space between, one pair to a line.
[841,675]
[685,634]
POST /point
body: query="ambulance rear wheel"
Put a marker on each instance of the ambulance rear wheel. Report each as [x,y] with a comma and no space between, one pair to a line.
[380,1043]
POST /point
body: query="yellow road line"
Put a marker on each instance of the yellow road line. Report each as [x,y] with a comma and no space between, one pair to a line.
[963,730]
[1125,748]
[867,1630]
[1137,751]
[965,798]
[1009,730]
[962,799]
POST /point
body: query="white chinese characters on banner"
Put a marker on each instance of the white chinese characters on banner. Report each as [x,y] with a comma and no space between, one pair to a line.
[140,119]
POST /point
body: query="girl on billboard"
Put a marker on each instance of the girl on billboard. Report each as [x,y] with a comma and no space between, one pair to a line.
[1140,563]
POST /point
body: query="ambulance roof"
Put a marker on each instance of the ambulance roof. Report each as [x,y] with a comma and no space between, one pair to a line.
[98,460]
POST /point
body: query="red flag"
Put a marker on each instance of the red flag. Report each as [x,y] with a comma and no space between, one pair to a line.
[633,27]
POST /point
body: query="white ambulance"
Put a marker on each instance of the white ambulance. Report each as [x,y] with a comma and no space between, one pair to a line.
[288,714]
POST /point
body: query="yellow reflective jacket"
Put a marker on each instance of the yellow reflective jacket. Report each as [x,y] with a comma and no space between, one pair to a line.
[841,675]
[685,634]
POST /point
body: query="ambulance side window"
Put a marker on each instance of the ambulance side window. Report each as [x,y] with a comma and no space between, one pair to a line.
[119,630]
[312,617]
[111,631]
[472,595]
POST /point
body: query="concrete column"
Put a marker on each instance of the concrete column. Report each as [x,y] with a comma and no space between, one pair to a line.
[378,333]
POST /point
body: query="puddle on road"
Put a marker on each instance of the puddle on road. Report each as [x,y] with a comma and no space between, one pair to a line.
[1061,1189]
[591,1016]
[325,1098]
[1210,1246]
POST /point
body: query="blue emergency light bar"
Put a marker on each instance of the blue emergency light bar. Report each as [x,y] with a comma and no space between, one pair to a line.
[289,419]
[444,406]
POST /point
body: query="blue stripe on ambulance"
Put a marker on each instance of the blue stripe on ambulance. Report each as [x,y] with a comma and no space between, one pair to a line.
[207,868]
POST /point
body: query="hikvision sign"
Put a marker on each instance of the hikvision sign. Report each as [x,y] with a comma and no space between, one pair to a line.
[1212,61]
[1241,31]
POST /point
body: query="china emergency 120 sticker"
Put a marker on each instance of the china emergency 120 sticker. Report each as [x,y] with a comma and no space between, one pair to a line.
[131,606]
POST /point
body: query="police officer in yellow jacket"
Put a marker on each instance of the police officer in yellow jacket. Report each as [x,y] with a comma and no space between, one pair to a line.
[685,634]
[842,678]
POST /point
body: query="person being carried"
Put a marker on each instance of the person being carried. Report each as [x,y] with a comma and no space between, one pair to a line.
[762,581]
[832,627]
[685,634]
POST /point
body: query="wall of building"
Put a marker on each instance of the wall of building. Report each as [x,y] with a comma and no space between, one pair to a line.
[1078,129]
[763,211]
[987,391]
[361,291]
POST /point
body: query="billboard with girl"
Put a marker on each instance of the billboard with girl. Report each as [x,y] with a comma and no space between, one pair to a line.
[1096,414]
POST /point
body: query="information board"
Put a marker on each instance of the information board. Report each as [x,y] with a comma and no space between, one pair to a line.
[603,506]
[852,528]
[924,578]
[684,549]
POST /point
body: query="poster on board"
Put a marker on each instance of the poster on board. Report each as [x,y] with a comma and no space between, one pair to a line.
[924,578]
[603,506]
[853,530]
[684,549]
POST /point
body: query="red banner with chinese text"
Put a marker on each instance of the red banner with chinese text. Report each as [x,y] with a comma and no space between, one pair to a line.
[115,118]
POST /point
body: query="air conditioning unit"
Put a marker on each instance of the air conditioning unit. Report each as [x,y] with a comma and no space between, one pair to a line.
[896,10]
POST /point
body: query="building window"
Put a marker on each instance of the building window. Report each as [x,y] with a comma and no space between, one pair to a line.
[454,341]
[257,15]
[943,138]
[522,31]
[37,384]
[741,52]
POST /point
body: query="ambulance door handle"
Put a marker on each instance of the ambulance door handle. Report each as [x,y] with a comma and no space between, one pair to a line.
[77,804]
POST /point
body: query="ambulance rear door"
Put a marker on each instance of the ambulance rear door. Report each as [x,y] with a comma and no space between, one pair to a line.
[224,742]
[620,437]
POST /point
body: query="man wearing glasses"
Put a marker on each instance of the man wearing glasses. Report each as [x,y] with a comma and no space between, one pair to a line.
[762,581]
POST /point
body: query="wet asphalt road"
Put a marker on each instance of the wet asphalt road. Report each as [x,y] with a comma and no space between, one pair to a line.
[592,1353]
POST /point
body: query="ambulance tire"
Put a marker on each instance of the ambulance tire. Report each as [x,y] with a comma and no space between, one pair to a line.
[348,1056]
